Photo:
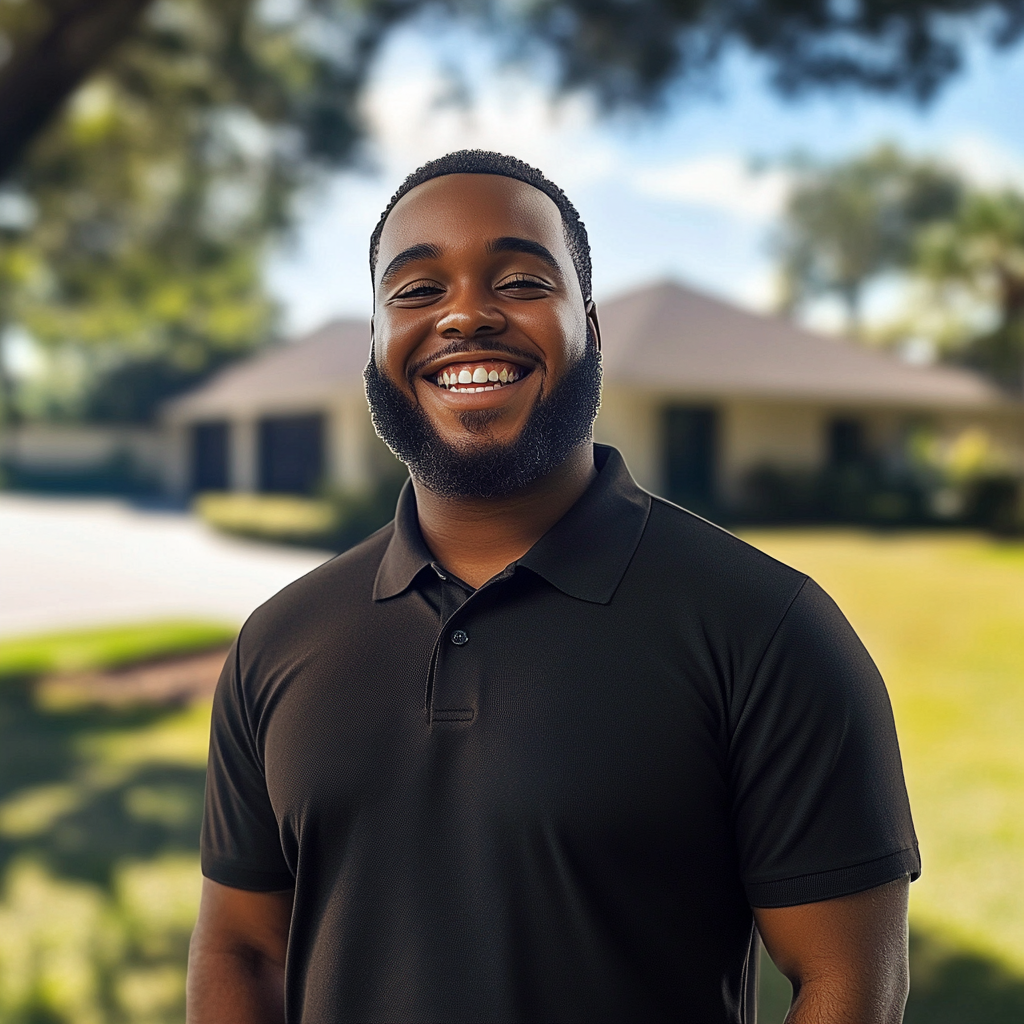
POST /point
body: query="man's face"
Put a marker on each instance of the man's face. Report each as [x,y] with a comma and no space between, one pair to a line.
[480,333]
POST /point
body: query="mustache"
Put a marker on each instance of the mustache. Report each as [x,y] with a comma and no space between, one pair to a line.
[460,345]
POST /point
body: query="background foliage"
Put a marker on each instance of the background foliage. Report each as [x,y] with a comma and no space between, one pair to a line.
[958,248]
[151,149]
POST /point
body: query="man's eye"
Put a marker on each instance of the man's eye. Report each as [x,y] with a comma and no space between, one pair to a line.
[419,290]
[517,281]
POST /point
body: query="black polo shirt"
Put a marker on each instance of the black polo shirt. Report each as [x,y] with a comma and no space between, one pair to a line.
[557,797]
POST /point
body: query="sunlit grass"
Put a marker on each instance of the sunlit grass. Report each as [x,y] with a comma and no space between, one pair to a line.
[943,616]
[99,830]
[99,808]
[109,647]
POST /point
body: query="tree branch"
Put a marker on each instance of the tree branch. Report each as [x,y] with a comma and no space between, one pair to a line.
[48,68]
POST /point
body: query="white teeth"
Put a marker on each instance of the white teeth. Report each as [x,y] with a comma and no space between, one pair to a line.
[493,379]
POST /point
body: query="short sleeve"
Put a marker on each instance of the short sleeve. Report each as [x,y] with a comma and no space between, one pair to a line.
[240,844]
[819,801]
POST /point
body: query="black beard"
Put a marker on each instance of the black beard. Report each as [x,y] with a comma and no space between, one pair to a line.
[558,424]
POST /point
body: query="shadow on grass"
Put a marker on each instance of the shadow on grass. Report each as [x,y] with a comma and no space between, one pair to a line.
[947,986]
[79,821]
[81,824]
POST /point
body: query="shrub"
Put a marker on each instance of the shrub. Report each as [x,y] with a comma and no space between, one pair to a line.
[336,521]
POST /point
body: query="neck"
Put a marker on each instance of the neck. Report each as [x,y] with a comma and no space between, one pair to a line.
[475,538]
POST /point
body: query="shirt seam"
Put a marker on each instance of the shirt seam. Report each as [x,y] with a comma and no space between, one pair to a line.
[736,722]
[913,848]
[240,696]
[775,632]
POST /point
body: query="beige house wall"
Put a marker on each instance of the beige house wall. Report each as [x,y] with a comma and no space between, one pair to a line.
[779,434]
[354,456]
[784,434]
[752,432]
[631,421]
[77,447]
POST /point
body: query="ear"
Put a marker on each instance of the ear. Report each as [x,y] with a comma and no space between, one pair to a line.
[593,326]
[372,354]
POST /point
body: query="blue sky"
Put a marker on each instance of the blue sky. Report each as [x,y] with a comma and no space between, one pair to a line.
[669,195]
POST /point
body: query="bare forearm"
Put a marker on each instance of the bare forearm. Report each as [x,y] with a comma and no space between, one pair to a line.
[240,987]
[842,1004]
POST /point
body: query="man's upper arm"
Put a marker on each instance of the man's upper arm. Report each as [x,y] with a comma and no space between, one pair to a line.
[239,920]
[240,842]
[846,957]
[820,807]
[237,956]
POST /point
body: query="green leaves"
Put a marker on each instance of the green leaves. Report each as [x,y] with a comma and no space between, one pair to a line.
[849,222]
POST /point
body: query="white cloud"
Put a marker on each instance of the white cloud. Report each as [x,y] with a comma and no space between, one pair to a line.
[723,182]
[412,119]
[985,162]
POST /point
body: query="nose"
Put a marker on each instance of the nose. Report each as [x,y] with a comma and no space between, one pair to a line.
[469,314]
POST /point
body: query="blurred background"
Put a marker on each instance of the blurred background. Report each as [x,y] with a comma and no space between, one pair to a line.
[807,220]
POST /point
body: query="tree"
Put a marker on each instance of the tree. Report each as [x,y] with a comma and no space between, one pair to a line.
[979,253]
[129,126]
[153,195]
[628,50]
[849,222]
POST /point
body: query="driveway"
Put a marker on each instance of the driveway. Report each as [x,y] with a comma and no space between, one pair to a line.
[66,563]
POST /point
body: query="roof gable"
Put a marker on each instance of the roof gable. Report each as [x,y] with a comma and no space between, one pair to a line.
[672,338]
[665,338]
[305,372]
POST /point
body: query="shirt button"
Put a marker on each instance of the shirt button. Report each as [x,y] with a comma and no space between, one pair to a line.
[459,637]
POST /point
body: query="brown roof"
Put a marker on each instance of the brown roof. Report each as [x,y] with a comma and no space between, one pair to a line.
[303,374]
[674,339]
[665,338]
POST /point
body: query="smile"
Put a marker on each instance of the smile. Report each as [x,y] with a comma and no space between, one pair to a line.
[488,375]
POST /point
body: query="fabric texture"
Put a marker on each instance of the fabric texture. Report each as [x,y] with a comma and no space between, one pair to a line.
[557,797]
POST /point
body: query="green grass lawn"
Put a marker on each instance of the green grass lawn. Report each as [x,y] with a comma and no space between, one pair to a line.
[110,647]
[100,807]
[943,616]
[99,823]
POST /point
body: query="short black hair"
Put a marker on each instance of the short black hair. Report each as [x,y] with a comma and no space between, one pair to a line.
[481,161]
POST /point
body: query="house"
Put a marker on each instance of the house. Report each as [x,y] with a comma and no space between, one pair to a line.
[699,394]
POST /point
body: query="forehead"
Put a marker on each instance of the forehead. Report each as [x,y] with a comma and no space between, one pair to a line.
[464,211]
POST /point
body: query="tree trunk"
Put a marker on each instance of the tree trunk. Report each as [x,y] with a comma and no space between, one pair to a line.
[47,68]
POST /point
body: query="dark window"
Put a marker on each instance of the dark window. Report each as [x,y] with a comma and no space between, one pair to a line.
[690,448]
[210,456]
[291,454]
[845,442]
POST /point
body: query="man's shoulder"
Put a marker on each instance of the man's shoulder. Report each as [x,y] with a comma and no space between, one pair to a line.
[680,535]
[686,558]
[340,586]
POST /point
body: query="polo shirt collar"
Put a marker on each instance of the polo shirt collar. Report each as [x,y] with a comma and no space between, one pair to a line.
[585,554]
[406,554]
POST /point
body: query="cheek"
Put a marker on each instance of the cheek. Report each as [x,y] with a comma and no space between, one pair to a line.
[393,345]
[568,334]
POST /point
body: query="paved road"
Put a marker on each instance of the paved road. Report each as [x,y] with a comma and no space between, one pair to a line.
[78,562]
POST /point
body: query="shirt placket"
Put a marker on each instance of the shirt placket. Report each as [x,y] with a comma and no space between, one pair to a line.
[453,684]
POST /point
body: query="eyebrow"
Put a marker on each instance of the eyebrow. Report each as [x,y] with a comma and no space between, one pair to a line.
[423,251]
[509,243]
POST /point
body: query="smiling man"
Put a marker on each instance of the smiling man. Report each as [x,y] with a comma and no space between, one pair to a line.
[546,748]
